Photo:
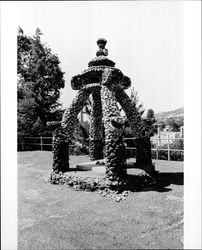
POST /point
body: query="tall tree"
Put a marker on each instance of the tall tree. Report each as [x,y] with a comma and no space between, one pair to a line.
[150,114]
[149,122]
[40,79]
[139,110]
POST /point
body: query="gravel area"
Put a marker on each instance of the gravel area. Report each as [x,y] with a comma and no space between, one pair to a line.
[57,217]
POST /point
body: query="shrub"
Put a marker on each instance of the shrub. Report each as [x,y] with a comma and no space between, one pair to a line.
[78,149]
[174,155]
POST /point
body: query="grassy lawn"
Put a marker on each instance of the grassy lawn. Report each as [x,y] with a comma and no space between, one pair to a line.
[57,217]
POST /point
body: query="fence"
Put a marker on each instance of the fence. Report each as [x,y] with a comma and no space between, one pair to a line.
[172,149]
[169,145]
[38,143]
[162,148]
[35,143]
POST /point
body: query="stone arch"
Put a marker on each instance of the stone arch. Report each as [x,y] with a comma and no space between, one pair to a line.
[143,144]
[106,92]
[63,134]
[116,84]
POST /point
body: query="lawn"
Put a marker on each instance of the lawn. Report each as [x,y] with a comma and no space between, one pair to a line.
[57,217]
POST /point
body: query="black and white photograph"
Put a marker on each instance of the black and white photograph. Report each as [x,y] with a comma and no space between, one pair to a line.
[101,125]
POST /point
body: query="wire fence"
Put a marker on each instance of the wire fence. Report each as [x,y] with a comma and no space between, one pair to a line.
[161,148]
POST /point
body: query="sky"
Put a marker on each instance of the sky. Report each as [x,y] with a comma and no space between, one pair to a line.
[145,39]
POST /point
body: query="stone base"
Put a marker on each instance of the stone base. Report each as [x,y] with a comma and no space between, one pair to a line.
[135,180]
[150,169]
[92,166]
[99,166]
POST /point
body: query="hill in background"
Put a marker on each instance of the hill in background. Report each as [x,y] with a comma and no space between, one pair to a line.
[177,115]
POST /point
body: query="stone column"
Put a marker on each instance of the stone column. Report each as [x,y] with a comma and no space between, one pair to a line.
[143,152]
[60,149]
[114,146]
[143,144]
[60,144]
[70,115]
[96,144]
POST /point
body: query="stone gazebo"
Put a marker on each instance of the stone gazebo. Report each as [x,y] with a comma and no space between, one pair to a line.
[106,85]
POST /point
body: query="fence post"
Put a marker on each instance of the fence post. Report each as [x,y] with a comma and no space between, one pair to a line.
[168,148]
[159,140]
[157,151]
[41,142]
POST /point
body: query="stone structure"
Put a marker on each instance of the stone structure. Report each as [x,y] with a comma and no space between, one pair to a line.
[105,84]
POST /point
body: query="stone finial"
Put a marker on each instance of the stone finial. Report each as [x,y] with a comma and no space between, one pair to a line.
[101,42]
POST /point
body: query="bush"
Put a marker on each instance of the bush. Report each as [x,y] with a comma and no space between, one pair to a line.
[174,155]
[78,149]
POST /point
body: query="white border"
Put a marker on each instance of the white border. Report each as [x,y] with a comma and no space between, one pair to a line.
[192,91]
[8,126]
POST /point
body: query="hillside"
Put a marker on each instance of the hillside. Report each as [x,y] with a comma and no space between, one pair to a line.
[177,114]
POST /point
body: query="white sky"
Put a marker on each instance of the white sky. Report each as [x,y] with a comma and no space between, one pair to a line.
[145,39]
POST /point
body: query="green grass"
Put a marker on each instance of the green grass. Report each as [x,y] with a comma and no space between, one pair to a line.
[57,217]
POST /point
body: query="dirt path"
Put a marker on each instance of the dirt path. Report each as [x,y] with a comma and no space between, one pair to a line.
[57,217]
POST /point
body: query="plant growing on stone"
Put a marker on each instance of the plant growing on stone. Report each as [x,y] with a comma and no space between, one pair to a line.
[106,85]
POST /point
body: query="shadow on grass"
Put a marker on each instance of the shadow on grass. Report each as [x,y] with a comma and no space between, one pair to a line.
[158,181]
[164,180]
[77,170]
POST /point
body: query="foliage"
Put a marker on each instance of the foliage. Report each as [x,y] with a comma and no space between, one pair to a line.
[147,124]
[79,141]
[150,114]
[163,155]
[177,143]
[114,147]
[39,82]
[174,124]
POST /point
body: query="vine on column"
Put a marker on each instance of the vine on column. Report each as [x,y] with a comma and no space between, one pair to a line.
[96,143]
[114,146]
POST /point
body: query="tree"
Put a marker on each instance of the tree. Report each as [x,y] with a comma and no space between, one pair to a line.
[135,99]
[139,109]
[150,114]
[39,82]
[150,120]
[173,124]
